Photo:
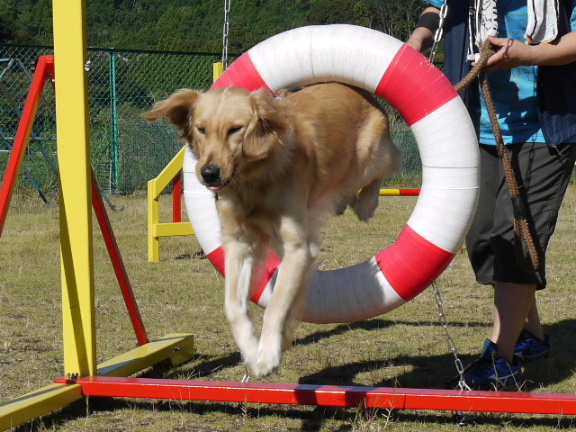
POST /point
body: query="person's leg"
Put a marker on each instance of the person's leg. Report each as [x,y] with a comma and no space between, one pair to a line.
[479,237]
[543,174]
[513,303]
[533,324]
[489,372]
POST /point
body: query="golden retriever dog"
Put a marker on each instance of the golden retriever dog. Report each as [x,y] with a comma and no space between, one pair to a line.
[277,165]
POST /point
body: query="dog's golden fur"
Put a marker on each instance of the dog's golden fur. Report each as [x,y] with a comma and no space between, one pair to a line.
[278,165]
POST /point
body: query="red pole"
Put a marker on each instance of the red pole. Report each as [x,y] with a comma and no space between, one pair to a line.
[177,199]
[44,70]
[328,395]
[118,264]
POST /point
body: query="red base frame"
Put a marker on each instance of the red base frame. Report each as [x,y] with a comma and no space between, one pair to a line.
[328,395]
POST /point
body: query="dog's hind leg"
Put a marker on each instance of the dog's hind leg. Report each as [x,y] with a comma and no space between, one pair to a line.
[367,201]
[239,267]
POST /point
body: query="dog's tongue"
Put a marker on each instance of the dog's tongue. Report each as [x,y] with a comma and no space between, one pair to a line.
[214,188]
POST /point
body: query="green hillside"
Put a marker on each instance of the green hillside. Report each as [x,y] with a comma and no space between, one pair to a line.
[196,25]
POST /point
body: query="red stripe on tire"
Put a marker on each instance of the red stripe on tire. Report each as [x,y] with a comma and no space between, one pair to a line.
[414,86]
[242,73]
[264,275]
[261,278]
[216,257]
[412,263]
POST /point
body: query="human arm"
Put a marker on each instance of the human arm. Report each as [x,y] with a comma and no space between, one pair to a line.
[422,37]
[511,53]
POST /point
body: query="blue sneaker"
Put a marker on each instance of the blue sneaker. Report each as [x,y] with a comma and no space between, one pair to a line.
[490,372]
[529,347]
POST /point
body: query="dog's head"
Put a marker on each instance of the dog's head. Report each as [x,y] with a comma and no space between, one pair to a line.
[230,130]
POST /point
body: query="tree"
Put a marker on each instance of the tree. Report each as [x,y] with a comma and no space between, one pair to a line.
[7,22]
[362,15]
[395,17]
[196,25]
[331,12]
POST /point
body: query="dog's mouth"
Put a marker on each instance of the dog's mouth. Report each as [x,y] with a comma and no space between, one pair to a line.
[217,186]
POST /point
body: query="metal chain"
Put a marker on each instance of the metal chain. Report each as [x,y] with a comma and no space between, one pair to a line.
[451,344]
[439,31]
[442,315]
[226,32]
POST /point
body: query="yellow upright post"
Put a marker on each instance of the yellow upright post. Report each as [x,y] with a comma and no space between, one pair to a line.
[73,131]
[156,229]
[217,71]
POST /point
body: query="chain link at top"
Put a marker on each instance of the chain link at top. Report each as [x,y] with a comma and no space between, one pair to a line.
[439,31]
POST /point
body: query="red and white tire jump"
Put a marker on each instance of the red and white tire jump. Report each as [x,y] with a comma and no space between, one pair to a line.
[446,141]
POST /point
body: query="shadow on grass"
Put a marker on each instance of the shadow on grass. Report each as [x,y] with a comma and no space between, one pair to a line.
[438,371]
[375,325]
[427,372]
[434,372]
[562,361]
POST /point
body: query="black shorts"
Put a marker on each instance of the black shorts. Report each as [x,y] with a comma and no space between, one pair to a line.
[543,173]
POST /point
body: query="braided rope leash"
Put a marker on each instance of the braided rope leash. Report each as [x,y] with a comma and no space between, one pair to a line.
[523,233]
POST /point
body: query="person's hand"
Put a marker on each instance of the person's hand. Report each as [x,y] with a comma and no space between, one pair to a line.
[510,53]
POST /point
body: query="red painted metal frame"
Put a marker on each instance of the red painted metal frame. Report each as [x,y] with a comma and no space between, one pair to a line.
[118,263]
[44,70]
[329,395]
[409,192]
[177,199]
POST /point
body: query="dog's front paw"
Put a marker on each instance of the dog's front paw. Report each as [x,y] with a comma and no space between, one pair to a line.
[249,350]
[266,365]
[249,357]
[269,359]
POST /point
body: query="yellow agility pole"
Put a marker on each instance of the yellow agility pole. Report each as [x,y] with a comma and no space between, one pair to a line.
[157,229]
[73,131]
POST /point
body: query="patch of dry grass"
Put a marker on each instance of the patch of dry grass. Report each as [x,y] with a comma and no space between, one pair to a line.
[183,293]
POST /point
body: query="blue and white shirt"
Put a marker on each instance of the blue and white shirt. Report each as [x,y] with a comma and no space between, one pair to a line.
[514,91]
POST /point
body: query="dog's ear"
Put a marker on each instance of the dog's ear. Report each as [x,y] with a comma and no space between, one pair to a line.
[266,128]
[178,108]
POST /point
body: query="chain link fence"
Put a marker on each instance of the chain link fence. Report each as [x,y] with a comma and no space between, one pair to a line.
[126,150]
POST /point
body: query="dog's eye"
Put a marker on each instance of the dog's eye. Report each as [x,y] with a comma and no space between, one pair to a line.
[234,130]
[201,130]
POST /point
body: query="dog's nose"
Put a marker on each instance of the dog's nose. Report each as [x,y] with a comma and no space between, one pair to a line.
[210,174]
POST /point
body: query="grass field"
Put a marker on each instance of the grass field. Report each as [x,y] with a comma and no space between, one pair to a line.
[183,293]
